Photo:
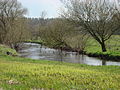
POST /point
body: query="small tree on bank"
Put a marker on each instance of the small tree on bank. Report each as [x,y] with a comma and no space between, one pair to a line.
[99,18]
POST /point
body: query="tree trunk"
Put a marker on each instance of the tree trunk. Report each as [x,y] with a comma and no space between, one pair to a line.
[103,47]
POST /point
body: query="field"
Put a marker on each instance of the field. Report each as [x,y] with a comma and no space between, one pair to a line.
[25,74]
[112,45]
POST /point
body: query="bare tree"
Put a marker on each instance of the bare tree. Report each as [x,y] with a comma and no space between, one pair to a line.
[11,11]
[99,18]
[78,42]
[43,14]
[42,21]
[55,33]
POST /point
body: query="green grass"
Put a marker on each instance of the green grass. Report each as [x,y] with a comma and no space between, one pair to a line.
[112,45]
[35,41]
[27,74]
[4,49]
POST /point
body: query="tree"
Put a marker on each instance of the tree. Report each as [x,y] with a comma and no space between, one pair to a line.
[55,33]
[99,18]
[11,14]
[78,42]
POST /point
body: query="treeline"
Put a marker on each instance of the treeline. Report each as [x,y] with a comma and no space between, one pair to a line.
[57,33]
[99,19]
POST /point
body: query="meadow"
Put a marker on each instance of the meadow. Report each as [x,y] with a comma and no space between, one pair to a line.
[27,74]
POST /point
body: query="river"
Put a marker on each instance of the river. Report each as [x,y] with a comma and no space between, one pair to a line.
[39,52]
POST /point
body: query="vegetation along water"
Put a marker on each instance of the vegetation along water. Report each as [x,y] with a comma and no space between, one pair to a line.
[79,49]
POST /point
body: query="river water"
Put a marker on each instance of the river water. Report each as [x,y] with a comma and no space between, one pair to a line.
[39,52]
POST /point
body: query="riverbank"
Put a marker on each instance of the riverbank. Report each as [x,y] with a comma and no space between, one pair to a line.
[34,41]
[94,50]
[105,56]
[24,74]
[109,55]
[6,50]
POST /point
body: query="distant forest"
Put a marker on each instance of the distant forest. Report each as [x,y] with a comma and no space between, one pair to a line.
[34,23]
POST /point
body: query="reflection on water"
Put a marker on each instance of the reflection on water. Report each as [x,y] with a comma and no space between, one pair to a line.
[36,51]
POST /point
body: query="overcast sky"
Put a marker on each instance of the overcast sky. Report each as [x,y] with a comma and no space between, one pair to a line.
[35,7]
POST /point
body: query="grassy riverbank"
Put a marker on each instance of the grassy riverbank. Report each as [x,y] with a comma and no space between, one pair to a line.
[27,74]
[35,41]
[112,45]
[4,49]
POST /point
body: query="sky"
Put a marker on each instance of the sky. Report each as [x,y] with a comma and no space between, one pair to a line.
[35,7]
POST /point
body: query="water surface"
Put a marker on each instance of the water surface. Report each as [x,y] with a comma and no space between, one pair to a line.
[38,52]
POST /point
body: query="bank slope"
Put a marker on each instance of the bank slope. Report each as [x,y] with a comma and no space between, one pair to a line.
[4,50]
